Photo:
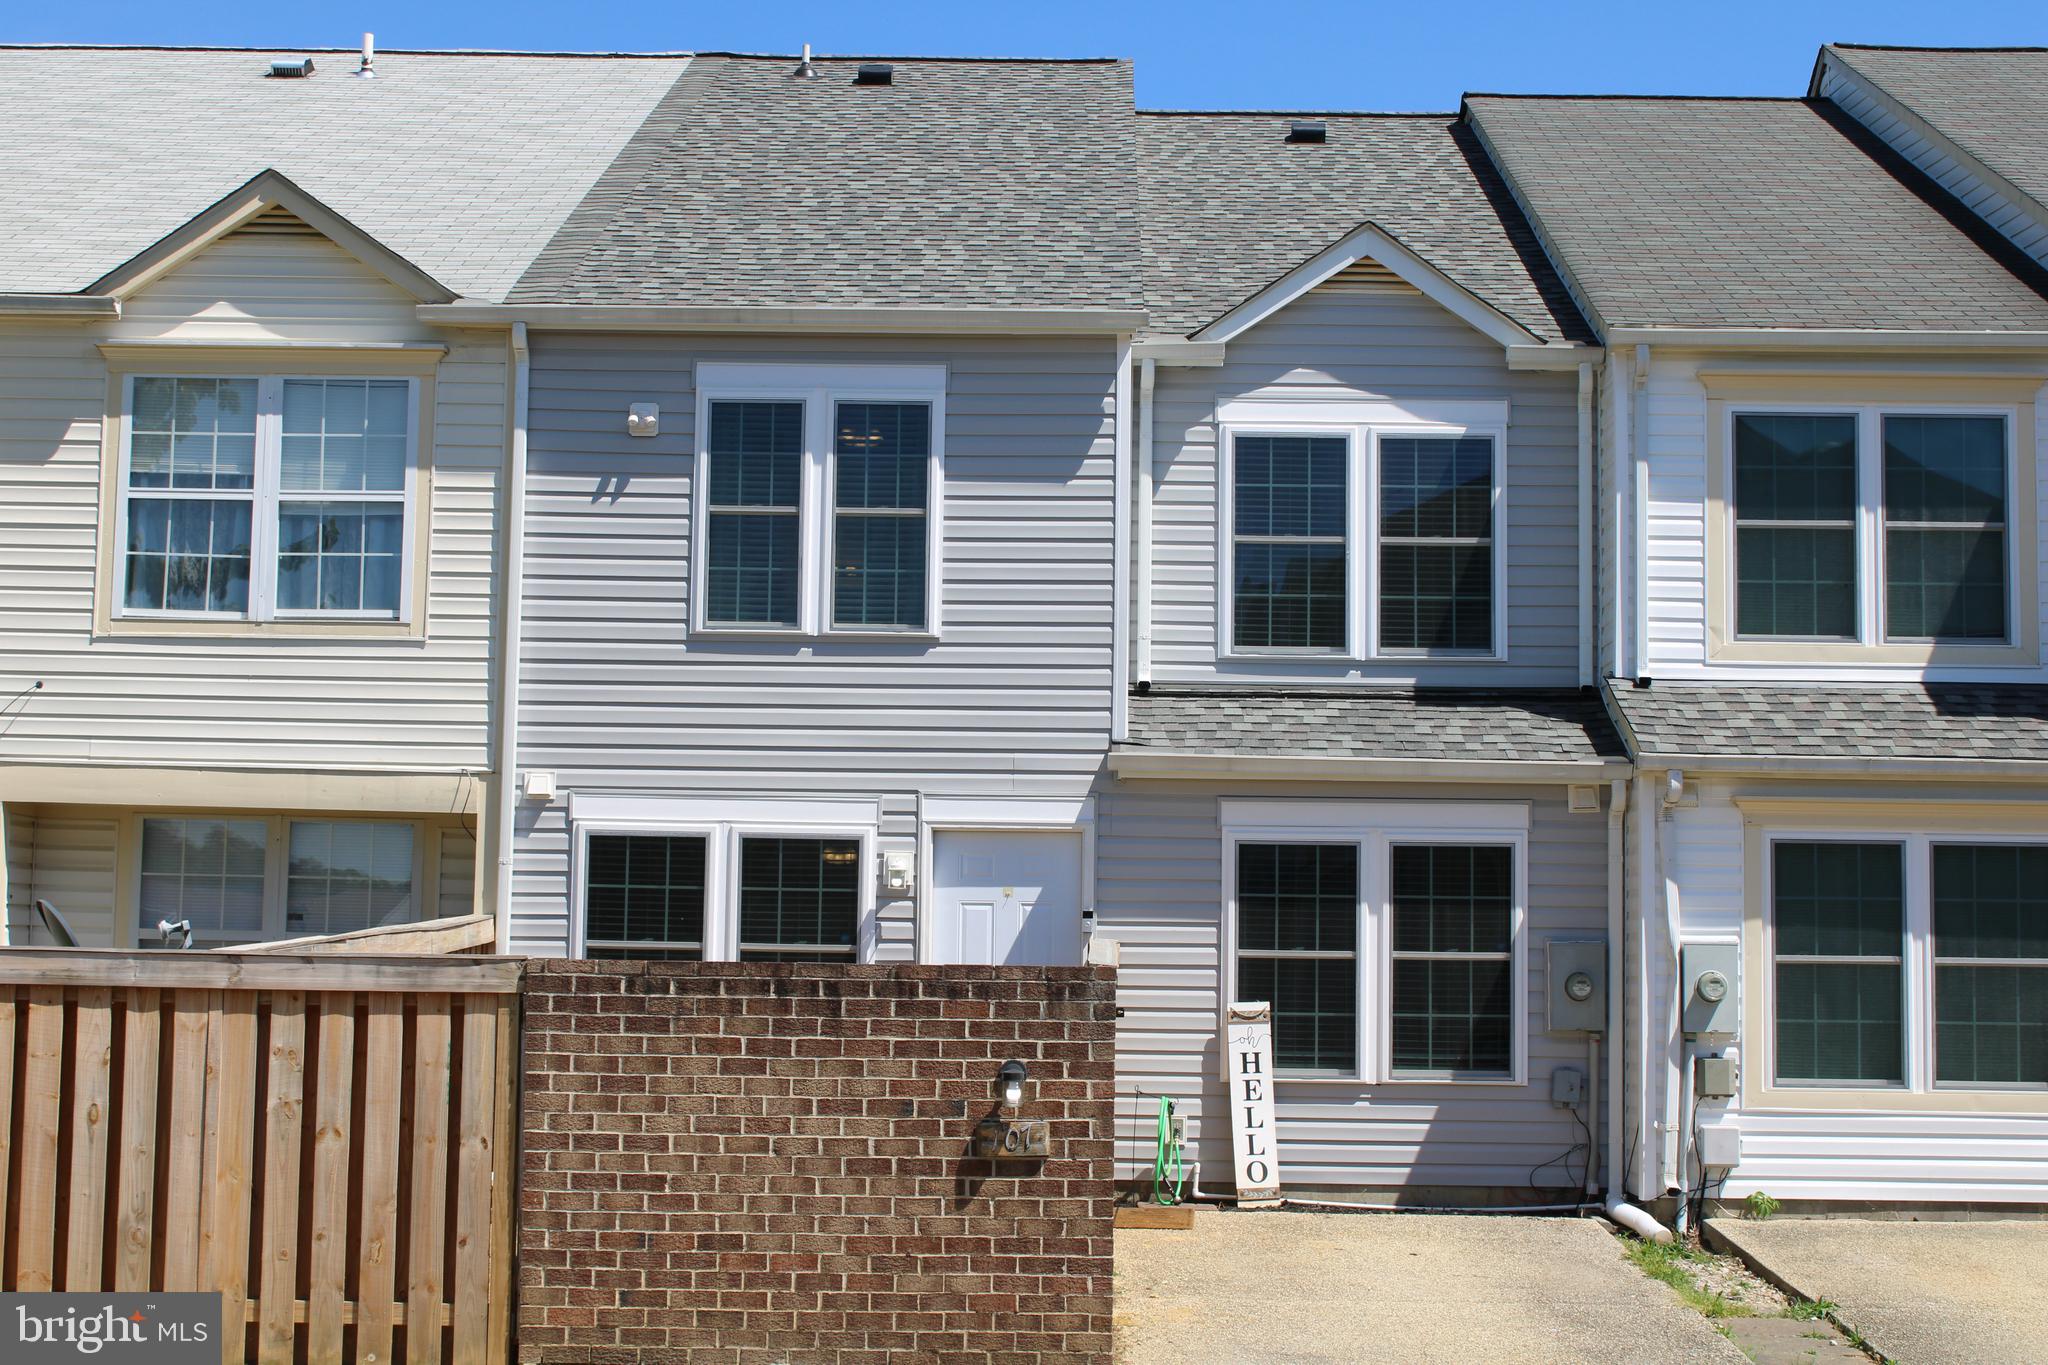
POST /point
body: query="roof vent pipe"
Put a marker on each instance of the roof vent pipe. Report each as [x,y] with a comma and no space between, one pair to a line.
[368,70]
[806,68]
[875,73]
[1308,130]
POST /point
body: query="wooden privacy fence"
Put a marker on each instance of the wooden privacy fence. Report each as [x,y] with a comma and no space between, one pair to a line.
[328,1139]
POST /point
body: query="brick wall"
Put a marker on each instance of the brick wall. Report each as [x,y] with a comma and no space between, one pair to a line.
[768,1163]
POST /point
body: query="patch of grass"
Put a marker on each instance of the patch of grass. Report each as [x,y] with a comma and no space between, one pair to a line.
[1810,1310]
[1668,1262]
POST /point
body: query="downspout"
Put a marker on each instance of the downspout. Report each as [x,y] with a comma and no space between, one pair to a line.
[1120,554]
[1616,1207]
[1653,1044]
[1621,459]
[1147,372]
[1587,629]
[1678,1083]
[508,671]
[1639,630]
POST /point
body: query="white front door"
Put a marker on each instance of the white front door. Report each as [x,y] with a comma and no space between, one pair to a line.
[1006,898]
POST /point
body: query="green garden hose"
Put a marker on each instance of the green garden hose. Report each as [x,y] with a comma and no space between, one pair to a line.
[1168,1173]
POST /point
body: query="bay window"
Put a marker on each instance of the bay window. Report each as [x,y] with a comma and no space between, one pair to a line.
[266,497]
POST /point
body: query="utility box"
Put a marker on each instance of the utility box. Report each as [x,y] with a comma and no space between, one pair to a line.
[1713,1078]
[1567,1087]
[1720,1143]
[1578,985]
[1708,976]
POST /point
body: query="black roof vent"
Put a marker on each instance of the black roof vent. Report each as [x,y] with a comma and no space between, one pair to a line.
[291,68]
[875,73]
[1308,130]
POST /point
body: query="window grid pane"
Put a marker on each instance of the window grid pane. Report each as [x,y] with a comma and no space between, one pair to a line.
[799,900]
[209,871]
[1991,964]
[1838,915]
[1453,932]
[1944,511]
[193,434]
[644,896]
[1436,543]
[1288,551]
[344,436]
[753,556]
[188,554]
[1795,525]
[881,469]
[1294,900]
[345,875]
[339,556]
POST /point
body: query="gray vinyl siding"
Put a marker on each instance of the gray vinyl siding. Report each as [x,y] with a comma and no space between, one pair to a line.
[615,696]
[1159,894]
[20,833]
[1388,343]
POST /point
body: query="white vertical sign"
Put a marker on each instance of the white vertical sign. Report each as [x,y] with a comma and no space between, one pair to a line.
[1249,1069]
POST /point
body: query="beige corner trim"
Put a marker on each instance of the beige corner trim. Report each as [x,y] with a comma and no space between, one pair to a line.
[249,789]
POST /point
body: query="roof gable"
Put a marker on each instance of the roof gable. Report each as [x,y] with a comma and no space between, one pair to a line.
[266,193]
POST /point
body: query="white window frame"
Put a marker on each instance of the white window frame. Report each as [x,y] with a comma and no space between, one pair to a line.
[1872,631]
[266,499]
[1362,421]
[1373,827]
[722,824]
[820,388]
[276,867]
[1917,1018]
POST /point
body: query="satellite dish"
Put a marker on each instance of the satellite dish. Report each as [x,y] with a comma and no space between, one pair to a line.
[55,926]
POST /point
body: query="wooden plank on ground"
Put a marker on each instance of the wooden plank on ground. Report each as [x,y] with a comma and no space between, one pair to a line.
[191,1018]
[428,1220]
[134,1220]
[474,1142]
[92,1093]
[284,1111]
[377,1269]
[1177,1218]
[225,1217]
[327,1254]
[7,1031]
[504,1180]
[41,1098]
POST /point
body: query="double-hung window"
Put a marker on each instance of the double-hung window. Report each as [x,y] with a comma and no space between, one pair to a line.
[267,498]
[738,880]
[245,879]
[1387,940]
[1362,530]
[1873,531]
[818,499]
[1913,962]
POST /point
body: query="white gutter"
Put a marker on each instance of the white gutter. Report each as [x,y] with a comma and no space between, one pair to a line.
[1825,339]
[507,765]
[1120,554]
[1179,351]
[2023,770]
[1148,370]
[1588,630]
[822,319]
[1347,768]
[58,307]
[1553,355]
[1639,428]
[1616,1206]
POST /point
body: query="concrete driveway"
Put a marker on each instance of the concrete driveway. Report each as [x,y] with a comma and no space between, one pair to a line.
[1289,1288]
[1965,1293]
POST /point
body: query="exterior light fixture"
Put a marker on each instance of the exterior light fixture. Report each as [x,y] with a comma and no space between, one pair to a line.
[1013,1075]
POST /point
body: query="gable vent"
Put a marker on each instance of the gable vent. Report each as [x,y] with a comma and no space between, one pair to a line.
[291,68]
[276,221]
[1366,273]
[1308,130]
[875,73]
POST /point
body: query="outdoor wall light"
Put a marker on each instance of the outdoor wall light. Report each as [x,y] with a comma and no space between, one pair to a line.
[1013,1075]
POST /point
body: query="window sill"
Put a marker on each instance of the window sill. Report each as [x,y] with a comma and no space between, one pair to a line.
[283,628]
[1850,654]
[731,634]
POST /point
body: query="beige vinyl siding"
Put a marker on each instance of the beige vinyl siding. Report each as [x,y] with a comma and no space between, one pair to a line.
[1388,341]
[617,698]
[1159,895]
[456,893]
[217,701]
[21,854]
[74,869]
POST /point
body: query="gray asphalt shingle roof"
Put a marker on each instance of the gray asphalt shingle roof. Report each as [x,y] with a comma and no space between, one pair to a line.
[1991,102]
[1977,721]
[1748,213]
[1230,207]
[464,164]
[963,184]
[1529,726]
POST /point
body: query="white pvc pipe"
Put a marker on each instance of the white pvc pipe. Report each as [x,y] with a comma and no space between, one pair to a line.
[507,763]
[1616,1207]
[1592,1116]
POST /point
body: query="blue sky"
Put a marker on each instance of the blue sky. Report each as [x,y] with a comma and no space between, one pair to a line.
[1266,54]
